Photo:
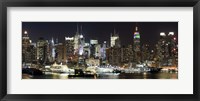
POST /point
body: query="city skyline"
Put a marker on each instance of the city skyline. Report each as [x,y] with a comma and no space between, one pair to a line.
[103,50]
[101,31]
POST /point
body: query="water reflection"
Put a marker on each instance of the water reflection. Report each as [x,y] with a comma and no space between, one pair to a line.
[160,75]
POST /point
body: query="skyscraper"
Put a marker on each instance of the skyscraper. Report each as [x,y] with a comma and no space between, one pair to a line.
[69,45]
[103,51]
[79,42]
[33,52]
[136,45]
[60,53]
[167,50]
[93,44]
[82,42]
[76,41]
[114,39]
[26,43]
[42,50]
[52,50]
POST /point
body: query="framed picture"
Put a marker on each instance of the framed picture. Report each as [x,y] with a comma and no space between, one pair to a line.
[99,50]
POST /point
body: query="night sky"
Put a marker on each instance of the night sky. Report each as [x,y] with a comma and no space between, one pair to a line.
[149,31]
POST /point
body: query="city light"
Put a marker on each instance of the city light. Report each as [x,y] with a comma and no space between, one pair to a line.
[112,55]
[93,41]
[171,33]
[174,38]
[162,34]
[69,38]
[25,32]
[81,36]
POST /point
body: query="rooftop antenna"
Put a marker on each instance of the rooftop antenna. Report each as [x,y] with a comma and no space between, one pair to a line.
[81,30]
[77,28]
[114,31]
[52,40]
[136,27]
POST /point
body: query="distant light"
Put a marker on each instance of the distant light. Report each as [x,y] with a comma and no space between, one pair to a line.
[136,33]
[171,33]
[104,41]
[87,44]
[136,37]
[25,32]
[69,38]
[136,28]
[81,36]
[174,38]
[93,41]
[162,34]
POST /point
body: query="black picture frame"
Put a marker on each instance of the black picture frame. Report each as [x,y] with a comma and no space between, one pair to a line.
[98,3]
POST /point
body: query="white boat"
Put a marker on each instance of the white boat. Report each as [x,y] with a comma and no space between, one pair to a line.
[59,68]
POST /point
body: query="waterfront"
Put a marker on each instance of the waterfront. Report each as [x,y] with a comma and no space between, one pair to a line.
[124,52]
[160,75]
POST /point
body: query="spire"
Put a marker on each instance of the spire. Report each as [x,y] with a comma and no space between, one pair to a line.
[25,34]
[81,30]
[52,41]
[136,27]
[114,31]
[77,30]
[56,40]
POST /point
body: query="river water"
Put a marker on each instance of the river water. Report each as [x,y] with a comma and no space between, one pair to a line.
[160,75]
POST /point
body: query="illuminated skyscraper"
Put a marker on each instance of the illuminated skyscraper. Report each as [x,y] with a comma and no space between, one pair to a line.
[69,45]
[93,44]
[33,53]
[167,50]
[42,50]
[76,41]
[60,53]
[136,45]
[79,42]
[26,43]
[82,42]
[103,51]
[87,50]
[97,51]
[52,50]
[114,39]
[136,38]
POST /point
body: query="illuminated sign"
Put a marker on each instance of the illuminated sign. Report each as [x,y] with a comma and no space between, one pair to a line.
[171,33]
[162,34]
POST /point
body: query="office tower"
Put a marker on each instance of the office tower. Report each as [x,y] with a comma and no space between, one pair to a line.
[42,50]
[136,45]
[93,44]
[26,43]
[114,39]
[167,50]
[52,50]
[69,45]
[61,53]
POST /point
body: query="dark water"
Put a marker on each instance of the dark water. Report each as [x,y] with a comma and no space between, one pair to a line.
[160,75]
